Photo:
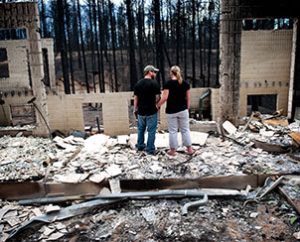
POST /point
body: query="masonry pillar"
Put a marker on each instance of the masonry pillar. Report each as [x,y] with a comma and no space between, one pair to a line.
[295,75]
[230,56]
[37,71]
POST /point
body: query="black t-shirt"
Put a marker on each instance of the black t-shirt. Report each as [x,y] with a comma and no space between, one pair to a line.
[177,100]
[146,91]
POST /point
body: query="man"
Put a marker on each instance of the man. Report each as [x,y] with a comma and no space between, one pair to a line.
[146,95]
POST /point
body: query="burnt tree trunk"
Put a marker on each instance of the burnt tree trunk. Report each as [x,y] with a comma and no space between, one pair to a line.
[76,35]
[113,40]
[63,45]
[92,42]
[202,77]
[131,47]
[83,48]
[96,44]
[67,11]
[193,43]
[184,27]
[178,34]
[210,9]
[159,42]
[141,29]
[101,38]
[45,32]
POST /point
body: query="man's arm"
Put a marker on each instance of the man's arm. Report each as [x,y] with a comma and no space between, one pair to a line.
[135,102]
[135,105]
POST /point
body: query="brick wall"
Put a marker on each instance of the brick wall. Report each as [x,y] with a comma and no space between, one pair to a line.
[265,66]
[65,111]
[17,64]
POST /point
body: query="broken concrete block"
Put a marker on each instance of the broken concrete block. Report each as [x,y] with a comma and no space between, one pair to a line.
[52,208]
[113,170]
[198,138]
[95,142]
[122,139]
[115,186]
[97,178]
[71,178]
[229,127]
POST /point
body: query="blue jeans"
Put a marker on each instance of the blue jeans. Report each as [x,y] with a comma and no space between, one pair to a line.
[149,122]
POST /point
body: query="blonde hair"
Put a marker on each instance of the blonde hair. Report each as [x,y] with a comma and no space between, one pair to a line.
[175,70]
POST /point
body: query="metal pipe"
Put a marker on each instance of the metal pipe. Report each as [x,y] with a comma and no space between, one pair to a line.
[40,112]
[160,193]
[197,203]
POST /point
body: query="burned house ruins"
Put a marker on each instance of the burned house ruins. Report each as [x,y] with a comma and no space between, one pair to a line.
[241,184]
[255,66]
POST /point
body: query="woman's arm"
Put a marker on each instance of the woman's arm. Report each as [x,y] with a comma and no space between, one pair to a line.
[188,99]
[164,98]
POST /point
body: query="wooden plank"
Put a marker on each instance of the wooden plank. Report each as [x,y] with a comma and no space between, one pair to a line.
[270,147]
[277,122]
[295,136]
[293,202]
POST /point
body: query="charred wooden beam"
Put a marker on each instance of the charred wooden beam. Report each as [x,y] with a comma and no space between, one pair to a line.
[31,190]
[271,147]
[293,202]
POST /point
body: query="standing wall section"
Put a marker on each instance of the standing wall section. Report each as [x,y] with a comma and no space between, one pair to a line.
[265,66]
[66,113]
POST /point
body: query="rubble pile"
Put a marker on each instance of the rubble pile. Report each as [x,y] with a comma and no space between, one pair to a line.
[99,157]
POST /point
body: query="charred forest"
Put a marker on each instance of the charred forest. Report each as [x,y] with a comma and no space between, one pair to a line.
[104,46]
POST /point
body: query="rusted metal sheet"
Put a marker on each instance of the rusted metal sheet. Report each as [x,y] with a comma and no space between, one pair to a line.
[63,213]
[270,147]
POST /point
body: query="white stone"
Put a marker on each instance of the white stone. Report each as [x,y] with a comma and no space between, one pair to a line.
[71,178]
[97,178]
[95,142]
[113,170]
[229,127]
[122,139]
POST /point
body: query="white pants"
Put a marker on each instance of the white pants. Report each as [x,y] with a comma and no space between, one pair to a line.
[179,121]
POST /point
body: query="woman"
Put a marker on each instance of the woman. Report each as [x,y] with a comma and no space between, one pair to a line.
[177,94]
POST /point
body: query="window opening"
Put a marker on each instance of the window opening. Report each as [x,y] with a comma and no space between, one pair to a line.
[22,114]
[13,34]
[4,70]
[265,104]
[93,117]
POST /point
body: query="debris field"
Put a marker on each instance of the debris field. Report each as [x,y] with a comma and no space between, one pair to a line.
[125,195]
